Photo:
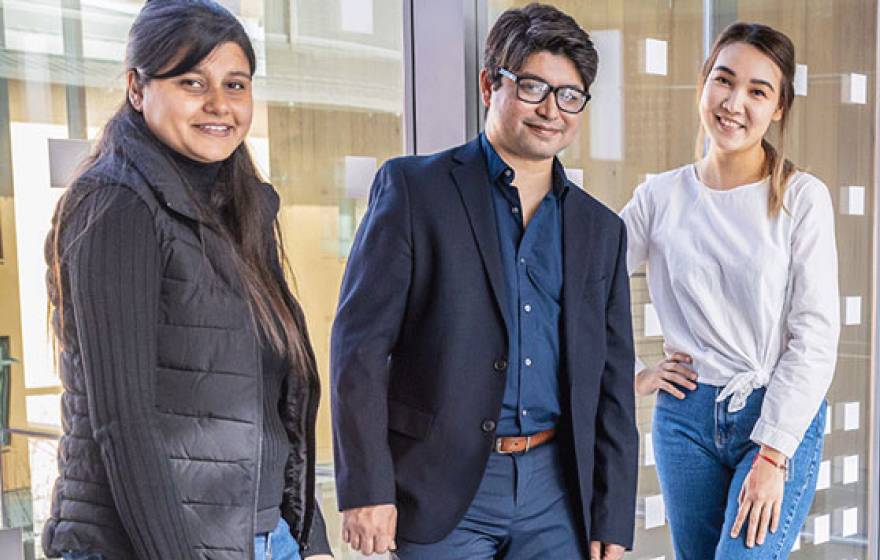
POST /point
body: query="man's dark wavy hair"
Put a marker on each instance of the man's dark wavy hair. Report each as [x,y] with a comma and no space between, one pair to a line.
[519,33]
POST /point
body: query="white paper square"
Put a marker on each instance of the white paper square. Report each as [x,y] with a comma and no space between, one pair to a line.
[850,469]
[357,16]
[828,421]
[855,89]
[652,321]
[575,175]
[607,138]
[821,529]
[801,74]
[649,450]
[849,522]
[824,479]
[852,306]
[359,171]
[852,201]
[655,512]
[655,57]
[851,416]
[797,543]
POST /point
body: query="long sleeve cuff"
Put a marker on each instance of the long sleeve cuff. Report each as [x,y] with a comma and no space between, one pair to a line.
[766,434]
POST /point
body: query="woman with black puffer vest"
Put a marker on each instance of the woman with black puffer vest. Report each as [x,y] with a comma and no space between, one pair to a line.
[190,386]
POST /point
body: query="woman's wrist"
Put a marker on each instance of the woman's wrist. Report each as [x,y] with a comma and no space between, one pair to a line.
[774,454]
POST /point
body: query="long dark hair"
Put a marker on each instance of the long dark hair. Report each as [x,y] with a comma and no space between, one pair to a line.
[776,46]
[170,38]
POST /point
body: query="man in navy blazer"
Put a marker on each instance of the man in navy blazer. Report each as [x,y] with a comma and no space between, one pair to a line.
[482,355]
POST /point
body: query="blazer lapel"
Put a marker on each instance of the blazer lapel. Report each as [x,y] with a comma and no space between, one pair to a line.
[472,180]
[580,238]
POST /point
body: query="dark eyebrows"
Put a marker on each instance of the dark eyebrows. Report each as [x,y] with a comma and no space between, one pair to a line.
[722,68]
[540,79]
[233,74]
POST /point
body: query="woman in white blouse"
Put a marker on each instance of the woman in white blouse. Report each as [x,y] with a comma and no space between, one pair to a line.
[742,270]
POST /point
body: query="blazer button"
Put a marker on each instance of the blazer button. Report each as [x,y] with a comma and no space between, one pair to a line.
[488,425]
[500,365]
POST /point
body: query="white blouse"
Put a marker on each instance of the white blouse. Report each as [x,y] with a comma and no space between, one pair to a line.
[753,299]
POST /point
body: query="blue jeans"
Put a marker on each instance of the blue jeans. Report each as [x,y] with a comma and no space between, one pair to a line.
[703,453]
[283,545]
[522,511]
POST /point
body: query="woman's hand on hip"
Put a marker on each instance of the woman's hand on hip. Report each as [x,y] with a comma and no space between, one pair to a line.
[760,499]
[670,375]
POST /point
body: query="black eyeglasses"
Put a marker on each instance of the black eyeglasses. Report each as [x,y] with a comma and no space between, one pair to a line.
[569,99]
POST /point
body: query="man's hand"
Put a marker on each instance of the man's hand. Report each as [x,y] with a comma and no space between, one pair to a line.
[370,529]
[606,551]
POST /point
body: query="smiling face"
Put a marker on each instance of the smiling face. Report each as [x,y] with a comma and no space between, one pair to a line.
[740,98]
[205,113]
[527,131]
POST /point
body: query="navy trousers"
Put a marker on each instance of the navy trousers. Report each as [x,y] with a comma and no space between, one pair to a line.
[522,511]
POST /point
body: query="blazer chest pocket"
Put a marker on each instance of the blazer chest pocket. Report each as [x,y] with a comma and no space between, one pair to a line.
[409,421]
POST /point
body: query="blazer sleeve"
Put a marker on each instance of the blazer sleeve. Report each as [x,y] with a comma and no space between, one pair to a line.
[371,309]
[617,440]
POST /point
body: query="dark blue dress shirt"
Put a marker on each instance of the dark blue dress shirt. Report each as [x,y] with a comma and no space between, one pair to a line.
[532,260]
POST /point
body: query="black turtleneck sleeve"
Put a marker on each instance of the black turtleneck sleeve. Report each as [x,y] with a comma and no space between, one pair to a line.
[114,268]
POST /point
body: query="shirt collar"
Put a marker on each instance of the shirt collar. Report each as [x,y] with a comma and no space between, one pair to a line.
[499,171]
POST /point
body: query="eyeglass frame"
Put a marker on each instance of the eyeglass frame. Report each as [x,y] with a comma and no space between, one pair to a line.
[550,89]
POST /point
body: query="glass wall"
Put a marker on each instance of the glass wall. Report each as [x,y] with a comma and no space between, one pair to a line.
[329,110]
[643,120]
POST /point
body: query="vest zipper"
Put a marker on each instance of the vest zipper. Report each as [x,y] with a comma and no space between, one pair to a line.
[253,533]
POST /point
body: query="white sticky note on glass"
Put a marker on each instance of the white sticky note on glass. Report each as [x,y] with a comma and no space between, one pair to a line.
[850,469]
[649,449]
[855,89]
[359,171]
[828,421]
[797,543]
[655,512]
[357,16]
[801,74]
[852,201]
[851,416]
[652,321]
[575,175]
[852,306]
[607,134]
[824,479]
[850,522]
[821,529]
[655,57]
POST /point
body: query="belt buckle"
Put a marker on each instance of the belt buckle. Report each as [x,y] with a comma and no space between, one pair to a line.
[499,450]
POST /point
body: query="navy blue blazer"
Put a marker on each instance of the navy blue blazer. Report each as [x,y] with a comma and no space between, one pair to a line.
[418,351]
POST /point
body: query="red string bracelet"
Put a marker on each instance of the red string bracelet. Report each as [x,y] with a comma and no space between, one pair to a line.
[781,466]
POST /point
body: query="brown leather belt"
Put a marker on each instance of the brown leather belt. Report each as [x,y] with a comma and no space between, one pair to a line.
[523,444]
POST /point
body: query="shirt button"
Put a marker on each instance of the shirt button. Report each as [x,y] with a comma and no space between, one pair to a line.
[500,365]
[527,308]
[522,260]
[525,412]
[514,209]
[508,173]
[488,426]
[528,362]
